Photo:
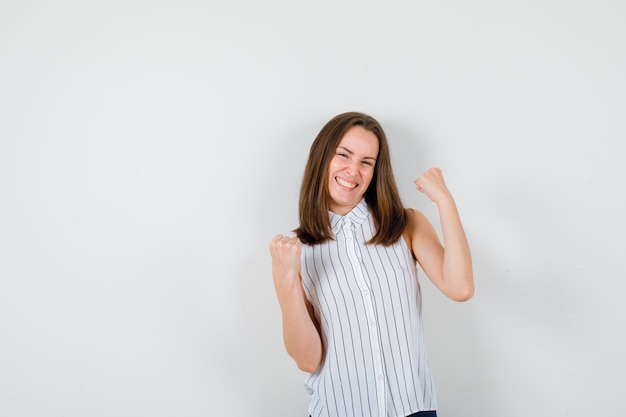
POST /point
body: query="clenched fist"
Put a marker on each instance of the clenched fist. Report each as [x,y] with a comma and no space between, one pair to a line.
[432,184]
[285,253]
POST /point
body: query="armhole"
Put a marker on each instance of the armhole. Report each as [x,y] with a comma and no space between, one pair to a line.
[311,311]
[406,234]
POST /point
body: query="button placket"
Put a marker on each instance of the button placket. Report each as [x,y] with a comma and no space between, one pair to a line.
[357,267]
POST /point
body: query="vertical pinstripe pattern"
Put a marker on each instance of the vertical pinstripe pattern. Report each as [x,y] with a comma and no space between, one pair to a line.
[368,303]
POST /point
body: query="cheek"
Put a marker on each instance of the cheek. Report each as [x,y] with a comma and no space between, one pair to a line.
[332,168]
[335,167]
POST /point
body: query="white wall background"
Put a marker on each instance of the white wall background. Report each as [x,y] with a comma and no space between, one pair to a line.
[149,150]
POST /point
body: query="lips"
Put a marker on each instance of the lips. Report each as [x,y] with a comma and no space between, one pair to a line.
[346,184]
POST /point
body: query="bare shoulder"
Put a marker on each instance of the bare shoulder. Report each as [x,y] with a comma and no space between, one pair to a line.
[413,224]
[418,229]
[414,219]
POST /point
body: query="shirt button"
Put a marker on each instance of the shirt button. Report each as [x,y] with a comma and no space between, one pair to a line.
[380,376]
[365,292]
[373,323]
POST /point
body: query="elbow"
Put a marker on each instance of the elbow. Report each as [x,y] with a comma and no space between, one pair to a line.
[307,354]
[463,296]
[309,366]
[458,283]
[463,293]
[309,361]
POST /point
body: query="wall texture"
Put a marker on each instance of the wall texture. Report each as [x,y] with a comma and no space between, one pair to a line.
[150,150]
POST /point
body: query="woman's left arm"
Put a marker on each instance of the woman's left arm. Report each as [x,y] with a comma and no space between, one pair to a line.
[449,266]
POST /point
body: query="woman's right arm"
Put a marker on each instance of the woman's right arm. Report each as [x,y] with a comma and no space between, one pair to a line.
[300,333]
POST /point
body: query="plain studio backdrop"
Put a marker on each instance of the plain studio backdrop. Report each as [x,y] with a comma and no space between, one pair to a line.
[149,151]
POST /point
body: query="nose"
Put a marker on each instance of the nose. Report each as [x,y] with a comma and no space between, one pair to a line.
[353,167]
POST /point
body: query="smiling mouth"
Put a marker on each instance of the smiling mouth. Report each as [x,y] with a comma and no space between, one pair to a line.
[345,183]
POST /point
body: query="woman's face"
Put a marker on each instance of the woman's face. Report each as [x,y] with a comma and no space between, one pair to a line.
[351,169]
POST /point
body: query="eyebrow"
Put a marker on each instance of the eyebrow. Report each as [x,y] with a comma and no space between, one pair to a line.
[352,153]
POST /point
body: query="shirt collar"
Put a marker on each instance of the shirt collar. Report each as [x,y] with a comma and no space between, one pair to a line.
[357,216]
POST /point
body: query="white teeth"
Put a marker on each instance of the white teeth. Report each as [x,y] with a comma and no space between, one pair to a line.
[345,183]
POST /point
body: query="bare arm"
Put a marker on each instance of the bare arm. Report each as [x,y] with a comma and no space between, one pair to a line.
[449,266]
[301,336]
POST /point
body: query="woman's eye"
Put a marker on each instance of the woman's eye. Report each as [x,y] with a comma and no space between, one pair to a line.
[368,163]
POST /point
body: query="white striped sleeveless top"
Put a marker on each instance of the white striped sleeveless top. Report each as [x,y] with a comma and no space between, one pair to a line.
[367,302]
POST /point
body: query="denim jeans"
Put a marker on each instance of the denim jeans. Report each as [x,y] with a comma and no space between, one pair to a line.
[422,414]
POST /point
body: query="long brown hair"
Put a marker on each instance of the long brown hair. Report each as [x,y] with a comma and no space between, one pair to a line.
[382,195]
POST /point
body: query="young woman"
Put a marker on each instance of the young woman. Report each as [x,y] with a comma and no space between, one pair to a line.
[347,282]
